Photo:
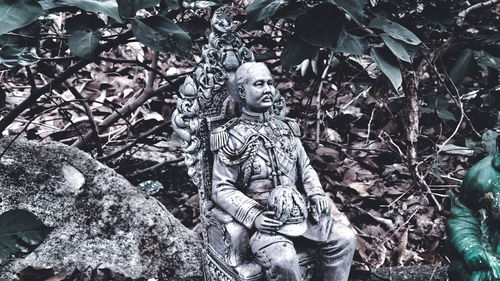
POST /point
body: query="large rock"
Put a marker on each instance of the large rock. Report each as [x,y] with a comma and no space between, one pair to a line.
[100,219]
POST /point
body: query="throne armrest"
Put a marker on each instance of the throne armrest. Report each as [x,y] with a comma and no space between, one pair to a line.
[227,238]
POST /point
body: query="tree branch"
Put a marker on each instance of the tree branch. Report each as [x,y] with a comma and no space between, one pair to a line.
[34,95]
[156,166]
[129,107]
[461,16]
[90,115]
[152,72]
[143,65]
[131,144]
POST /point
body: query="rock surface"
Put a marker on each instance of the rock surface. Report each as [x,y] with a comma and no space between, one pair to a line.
[100,219]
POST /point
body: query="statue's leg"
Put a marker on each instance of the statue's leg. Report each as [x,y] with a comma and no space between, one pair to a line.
[276,254]
[336,244]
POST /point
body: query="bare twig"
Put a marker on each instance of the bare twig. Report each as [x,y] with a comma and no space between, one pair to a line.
[431,194]
[458,100]
[141,64]
[370,125]
[401,154]
[333,144]
[157,166]
[461,16]
[33,97]
[128,108]
[56,59]
[31,79]
[356,97]
[90,115]
[131,144]
[318,98]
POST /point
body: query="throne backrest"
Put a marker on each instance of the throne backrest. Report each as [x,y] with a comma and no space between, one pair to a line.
[210,99]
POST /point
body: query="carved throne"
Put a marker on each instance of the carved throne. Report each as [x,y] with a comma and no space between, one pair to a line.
[207,100]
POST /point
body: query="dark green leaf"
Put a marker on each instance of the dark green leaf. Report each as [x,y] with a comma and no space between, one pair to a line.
[108,7]
[485,60]
[489,139]
[445,114]
[15,56]
[28,36]
[388,64]
[351,44]
[162,34]
[195,27]
[320,26]
[83,22]
[262,9]
[15,14]
[291,11]
[352,7]
[167,5]
[20,230]
[440,15]
[395,30]
[50,4]
[128,8]
[462,66]
[297,51]
[397,48]
[84,43]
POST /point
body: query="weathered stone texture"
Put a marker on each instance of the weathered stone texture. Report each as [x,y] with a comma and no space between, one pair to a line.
[100,219]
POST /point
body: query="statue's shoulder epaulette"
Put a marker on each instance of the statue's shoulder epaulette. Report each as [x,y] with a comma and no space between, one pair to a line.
[219,136]
[293,125]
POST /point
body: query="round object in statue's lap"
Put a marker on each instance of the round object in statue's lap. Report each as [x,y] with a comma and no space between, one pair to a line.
[290,208]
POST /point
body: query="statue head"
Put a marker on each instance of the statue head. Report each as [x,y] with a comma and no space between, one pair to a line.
[255,86]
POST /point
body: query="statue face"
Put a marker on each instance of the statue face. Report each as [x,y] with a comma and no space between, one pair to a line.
[258,90]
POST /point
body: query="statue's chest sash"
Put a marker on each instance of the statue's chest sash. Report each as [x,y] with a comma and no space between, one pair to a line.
[272,137]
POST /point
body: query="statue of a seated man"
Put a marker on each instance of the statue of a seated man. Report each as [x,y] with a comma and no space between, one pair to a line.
[262,177]
[474,223]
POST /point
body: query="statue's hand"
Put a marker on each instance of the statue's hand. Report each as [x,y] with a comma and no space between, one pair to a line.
[265,223]
[475,258]
[319,205]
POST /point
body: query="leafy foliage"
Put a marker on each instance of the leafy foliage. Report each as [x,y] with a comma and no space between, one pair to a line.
[20,232]
[163,35]
[261,10]
[388,65]
[84,43]
[16,14]
[349,68]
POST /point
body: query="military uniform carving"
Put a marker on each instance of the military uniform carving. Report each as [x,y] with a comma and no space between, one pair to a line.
[247,165]
[245,176]
[243,160]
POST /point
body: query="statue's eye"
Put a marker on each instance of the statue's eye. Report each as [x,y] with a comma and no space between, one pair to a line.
[258,83]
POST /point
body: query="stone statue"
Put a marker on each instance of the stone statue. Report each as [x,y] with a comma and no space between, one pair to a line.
[262,208]
[259,167]
[474,224]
